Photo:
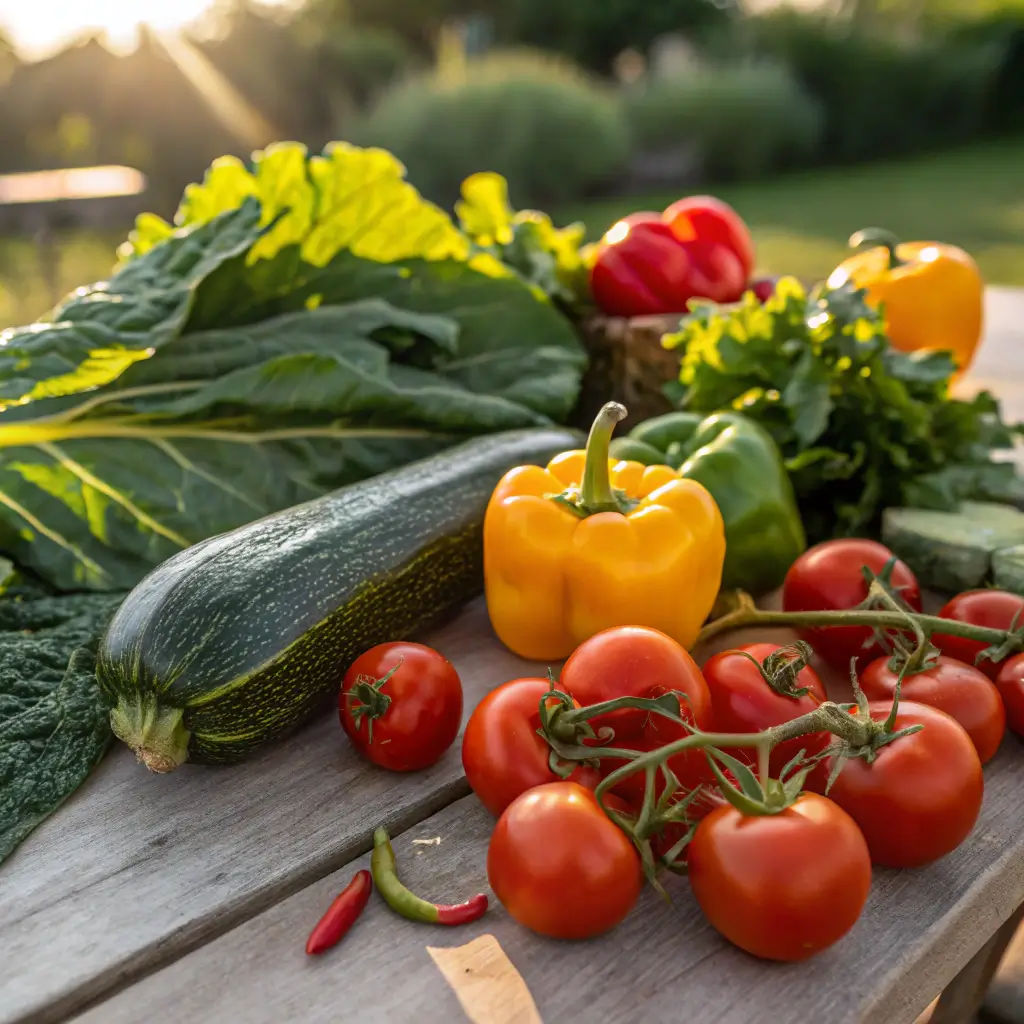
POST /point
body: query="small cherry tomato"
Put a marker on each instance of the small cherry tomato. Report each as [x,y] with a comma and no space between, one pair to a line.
[828,577]
[1010,683]
[560,866]
[921,795]
[960,690]
[635,661]
[996,609]
[401,705]
[743,701]
[781,886]
[502,754]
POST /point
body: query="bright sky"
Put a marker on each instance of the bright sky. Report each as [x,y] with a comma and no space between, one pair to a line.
[38,27]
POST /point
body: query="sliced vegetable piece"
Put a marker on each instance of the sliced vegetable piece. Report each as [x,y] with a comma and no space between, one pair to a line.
[1008,569]
[952,551]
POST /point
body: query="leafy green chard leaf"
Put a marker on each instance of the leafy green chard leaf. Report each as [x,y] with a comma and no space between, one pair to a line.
[306,324]
[861,425]
[54,722]
[547,257]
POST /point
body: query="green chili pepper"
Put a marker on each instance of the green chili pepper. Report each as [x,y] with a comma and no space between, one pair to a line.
[407,903]
[737,460]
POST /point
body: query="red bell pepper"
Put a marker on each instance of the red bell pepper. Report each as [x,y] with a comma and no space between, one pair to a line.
[649,263]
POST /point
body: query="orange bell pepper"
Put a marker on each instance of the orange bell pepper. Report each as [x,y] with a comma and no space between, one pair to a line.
[932,293]
[588,543]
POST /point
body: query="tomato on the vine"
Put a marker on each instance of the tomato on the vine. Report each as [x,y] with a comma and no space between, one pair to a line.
[635,661]
[690,767]
[829,577]
[401,705]
[782,886]
[743,701]
[502,753]
[1010,683]
[960,690]
[560,866]
[921,795]
[996,609]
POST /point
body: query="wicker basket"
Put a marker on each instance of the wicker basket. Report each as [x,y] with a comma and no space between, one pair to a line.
[627,365]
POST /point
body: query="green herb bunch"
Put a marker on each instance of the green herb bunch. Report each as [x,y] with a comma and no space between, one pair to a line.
[862,425]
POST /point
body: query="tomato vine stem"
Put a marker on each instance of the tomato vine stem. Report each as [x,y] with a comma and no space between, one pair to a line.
[748,614]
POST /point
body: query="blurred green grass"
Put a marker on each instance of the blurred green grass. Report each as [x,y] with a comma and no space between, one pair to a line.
[972,197]
[81,257]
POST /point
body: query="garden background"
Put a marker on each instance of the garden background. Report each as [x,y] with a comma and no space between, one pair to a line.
[812,120]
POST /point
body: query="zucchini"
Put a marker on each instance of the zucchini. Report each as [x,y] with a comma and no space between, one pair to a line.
[952,551]
[232,643]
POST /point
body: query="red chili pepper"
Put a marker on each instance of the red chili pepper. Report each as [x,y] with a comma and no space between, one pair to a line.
[341,914]
[408,904]
[650,263]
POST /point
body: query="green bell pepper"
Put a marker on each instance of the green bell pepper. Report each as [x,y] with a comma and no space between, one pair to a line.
[741,466]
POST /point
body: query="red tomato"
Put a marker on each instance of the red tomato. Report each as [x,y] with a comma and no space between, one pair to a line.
[993,608]
[709,219]
[634,661]
[828,577]
[1010,683]
[781,886]
[763,287]
[961,691]
[920,797]
[742,701]
[404,722]
[502,754]
[560,866]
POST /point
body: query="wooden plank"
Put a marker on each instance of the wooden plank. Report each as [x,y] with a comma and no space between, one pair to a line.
[137,868]
[1004,1002]
[663,963]
[962,998]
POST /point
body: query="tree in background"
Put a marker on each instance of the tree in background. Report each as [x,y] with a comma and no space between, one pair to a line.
[595,32]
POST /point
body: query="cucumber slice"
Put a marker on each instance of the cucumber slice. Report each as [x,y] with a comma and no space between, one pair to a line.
[1008,569]
[952,551]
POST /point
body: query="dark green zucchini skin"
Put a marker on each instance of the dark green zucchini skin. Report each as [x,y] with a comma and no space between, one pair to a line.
[238,639]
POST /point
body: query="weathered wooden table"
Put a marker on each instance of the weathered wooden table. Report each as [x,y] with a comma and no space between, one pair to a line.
[189,897]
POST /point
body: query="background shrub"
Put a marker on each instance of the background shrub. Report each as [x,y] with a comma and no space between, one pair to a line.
[1003,33]
[544,124]
[366,61]
[881,98]
[742,121]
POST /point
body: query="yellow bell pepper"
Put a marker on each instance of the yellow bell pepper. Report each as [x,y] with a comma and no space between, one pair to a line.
[932,293]
[588,543]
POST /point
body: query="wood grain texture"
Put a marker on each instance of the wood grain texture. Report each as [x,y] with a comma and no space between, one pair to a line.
[138,868]
[664,963]
[962,999]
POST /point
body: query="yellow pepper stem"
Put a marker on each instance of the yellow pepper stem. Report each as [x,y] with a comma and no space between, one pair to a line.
[869,238]
[596,493]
